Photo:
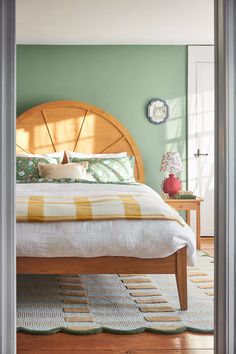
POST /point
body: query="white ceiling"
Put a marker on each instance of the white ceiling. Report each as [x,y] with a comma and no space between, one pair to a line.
[115,21]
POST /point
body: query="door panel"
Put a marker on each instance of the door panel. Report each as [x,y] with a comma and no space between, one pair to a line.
[201,132]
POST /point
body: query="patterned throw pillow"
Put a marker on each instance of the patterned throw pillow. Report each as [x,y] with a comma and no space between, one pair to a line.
[49,180]
[27,167]
[70,180]
[109,170]
[59,155]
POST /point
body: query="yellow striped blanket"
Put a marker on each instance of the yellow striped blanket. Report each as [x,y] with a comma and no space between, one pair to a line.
[80,208]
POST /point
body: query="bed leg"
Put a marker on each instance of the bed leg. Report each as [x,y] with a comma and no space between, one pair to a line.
[181,277]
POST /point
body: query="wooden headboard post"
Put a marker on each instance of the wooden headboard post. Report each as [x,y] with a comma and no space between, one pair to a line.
[74,126]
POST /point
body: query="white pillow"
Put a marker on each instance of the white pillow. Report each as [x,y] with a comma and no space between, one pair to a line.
[80,155]
[69,170]
[58,155]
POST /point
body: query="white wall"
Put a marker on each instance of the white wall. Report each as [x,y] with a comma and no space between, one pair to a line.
[115,21]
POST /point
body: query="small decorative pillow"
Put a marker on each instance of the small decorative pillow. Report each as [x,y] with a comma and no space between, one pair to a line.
[110,170]
[27,167]
[70,170]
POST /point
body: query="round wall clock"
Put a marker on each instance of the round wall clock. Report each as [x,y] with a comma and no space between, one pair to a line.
[157,111]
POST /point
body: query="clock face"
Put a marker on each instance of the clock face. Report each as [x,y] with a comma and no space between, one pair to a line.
[157,111]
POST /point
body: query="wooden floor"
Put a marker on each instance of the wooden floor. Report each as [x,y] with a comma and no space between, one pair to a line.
[62,343]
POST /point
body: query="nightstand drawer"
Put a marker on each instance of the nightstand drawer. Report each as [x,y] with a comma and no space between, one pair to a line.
[179,206]
[183,205]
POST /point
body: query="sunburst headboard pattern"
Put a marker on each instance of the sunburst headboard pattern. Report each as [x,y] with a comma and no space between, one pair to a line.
[74,126]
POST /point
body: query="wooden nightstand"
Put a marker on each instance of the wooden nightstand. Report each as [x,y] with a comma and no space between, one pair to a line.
[189,204]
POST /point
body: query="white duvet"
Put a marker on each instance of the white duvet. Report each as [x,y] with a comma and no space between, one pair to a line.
[131,238]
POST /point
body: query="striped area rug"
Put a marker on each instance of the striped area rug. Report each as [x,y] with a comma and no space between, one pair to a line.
[122,303]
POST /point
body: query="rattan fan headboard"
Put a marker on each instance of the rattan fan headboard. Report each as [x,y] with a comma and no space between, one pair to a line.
[74,126]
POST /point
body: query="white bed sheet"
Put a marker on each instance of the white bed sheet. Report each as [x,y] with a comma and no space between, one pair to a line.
[131,238]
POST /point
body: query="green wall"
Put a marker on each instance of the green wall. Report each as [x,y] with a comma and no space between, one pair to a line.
[119,79]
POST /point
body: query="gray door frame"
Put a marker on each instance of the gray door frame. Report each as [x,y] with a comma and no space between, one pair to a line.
[7,179]
[225,216]
[225,173]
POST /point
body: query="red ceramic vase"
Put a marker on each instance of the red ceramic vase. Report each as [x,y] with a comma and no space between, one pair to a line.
[171,185]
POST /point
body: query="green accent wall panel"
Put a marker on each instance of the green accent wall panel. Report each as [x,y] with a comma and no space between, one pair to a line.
[119,79]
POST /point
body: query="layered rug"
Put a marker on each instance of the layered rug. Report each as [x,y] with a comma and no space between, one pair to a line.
[122,304]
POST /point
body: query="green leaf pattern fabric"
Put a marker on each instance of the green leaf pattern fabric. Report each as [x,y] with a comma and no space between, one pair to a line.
[109,170]
[27,167]
[69,180]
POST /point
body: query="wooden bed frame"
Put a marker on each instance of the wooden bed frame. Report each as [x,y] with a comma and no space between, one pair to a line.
[76,126]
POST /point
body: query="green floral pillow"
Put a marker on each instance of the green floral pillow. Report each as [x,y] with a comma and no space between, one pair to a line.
[27,167]
[109,170]
[69,180]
